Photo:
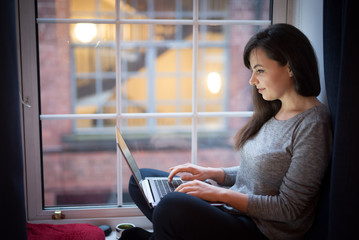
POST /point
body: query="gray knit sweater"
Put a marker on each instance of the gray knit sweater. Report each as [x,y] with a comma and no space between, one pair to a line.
[281,169]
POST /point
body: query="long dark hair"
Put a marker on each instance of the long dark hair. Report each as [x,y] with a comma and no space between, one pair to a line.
[285,44]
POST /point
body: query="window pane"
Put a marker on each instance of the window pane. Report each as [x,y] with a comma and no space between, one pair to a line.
[234,10]
[156,9]
[173,33]
[147,126]
[93,9]
[222,76]
[77,68]
[157,148]
[156,70]
[215,146]
[78,169]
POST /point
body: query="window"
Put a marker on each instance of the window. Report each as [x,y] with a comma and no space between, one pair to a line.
[169,74]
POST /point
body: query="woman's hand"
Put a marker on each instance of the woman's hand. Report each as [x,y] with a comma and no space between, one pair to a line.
[197,173]
[211,193]
[205,191]
[201,190]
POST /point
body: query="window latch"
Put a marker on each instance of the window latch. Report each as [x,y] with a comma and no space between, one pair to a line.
[58,215]
[25,102]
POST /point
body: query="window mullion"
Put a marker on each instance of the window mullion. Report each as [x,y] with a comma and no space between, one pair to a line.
[145,115]
[151,90]
[195,83]
[73,84]
[118,101]
[155,21]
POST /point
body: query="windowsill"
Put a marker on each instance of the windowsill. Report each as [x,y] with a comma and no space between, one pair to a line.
[140,221]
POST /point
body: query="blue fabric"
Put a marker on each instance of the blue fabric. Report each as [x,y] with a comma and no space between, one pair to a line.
[13,220]
[338,208]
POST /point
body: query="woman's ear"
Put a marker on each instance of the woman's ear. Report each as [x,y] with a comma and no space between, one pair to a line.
[290,72]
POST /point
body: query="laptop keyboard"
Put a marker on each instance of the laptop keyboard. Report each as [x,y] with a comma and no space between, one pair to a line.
[165,187]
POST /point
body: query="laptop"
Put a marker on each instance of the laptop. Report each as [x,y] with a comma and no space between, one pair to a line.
[152,188]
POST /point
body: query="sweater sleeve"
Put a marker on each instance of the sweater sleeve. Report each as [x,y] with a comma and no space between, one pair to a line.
[300,186]
[230,176]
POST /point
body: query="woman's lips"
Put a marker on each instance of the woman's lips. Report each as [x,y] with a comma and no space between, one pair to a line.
[260,90]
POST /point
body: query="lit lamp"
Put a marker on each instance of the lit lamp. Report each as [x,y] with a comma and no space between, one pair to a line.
[214,82]
[85,32]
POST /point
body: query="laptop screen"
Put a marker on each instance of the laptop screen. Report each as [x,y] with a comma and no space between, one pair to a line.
[128,156]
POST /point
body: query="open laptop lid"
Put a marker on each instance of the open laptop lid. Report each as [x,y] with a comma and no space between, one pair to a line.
[141,183]
[128,156]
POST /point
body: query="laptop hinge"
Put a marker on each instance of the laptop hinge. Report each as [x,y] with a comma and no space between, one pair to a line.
[147,190]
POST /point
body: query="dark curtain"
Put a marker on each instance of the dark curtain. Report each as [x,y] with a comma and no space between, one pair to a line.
[338,208]
[13,219]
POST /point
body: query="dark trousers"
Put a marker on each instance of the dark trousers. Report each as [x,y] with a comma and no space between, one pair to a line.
[182,216]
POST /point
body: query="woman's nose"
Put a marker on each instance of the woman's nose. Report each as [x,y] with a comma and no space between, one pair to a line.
[253,80]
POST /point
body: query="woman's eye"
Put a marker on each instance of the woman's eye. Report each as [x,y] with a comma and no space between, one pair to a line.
[260,71]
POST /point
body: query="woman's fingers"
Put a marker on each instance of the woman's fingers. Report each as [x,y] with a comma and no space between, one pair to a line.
[179,169]
[189,177]
[185,187]
[173,173]
[201,190]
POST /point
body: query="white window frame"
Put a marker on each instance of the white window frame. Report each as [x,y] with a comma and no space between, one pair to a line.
[28,74]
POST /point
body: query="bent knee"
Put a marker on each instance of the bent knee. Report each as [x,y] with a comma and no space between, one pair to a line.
[176,205]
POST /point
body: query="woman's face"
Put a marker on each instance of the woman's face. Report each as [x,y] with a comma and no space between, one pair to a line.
[271,79]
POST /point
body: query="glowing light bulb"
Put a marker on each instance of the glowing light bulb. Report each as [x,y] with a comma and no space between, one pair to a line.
[214,82]
[85,32]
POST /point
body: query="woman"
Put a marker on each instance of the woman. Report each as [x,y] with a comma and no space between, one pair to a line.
[284,152]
